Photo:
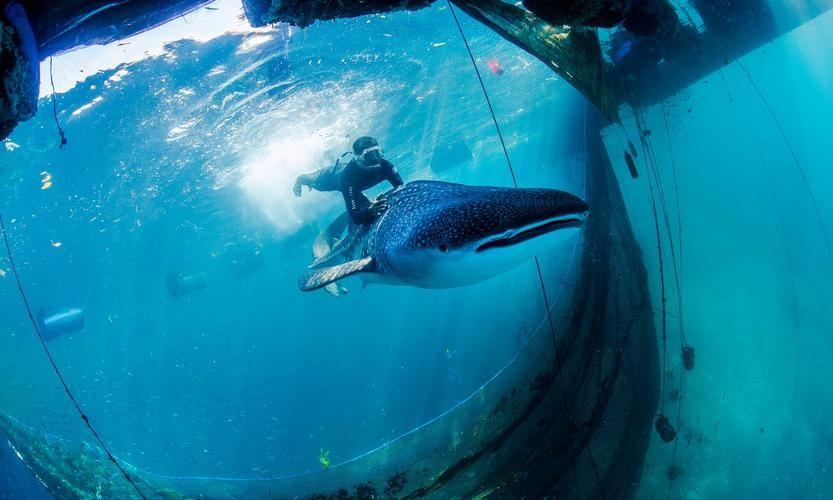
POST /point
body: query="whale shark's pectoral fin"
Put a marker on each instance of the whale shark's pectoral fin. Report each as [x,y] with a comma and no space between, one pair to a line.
[323,277]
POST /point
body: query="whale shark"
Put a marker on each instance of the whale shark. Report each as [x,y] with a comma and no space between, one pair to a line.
[442,235]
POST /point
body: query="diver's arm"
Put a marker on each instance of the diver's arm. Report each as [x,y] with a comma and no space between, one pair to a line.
[325,179]
[302,180]
[391,174]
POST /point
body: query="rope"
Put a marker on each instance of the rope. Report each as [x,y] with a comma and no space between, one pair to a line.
[387,443]
[55,108]
[650,162]
[678,274]
[811,195]
[678,258]
[537,261]
[789,258]
[794,155]
[55,366]
[485,94]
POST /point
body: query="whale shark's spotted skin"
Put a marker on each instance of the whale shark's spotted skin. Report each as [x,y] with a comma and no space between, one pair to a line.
[434,232]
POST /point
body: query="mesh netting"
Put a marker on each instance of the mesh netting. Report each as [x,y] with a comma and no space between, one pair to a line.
[570,413]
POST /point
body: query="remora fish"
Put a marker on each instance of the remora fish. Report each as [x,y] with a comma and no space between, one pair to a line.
[442,235]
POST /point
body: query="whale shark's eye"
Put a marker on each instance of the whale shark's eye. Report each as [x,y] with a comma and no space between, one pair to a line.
[443,248]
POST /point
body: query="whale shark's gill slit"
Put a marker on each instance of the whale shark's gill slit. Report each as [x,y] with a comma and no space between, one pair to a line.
[529,234]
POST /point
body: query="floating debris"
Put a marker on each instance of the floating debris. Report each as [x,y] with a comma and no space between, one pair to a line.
[56,321]
[495,67]
[666,431]
[2,273]
[179,284]
[324,458]
[631,165]
[56,244]
[438,44]
[674,471]
[688,358]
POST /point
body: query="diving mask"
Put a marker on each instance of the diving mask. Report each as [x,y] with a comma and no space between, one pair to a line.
[372,155]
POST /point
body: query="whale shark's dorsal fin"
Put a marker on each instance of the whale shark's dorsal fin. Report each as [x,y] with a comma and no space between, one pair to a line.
[323,277]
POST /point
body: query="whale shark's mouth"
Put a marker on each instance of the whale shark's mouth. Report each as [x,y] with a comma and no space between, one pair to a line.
[526,234]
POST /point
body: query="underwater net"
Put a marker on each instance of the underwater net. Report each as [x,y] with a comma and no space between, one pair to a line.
[569,410]
[565,414]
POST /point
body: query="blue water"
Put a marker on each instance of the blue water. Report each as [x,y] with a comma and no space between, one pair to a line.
[250,376]
[754,205]
[183,162]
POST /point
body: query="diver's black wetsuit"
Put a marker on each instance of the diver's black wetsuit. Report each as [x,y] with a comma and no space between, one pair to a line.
[351,180]
[355,179]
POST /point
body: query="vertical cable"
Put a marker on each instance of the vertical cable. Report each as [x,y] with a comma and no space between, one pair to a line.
[794,155]
[537,261]
[55,366]
[55,108]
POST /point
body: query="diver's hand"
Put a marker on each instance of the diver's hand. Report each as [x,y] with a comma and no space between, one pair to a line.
[377,208]
[299,183]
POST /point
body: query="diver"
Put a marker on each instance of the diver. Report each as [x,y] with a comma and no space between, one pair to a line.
[367,169]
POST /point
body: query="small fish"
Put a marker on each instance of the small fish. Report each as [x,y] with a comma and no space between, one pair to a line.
[454,376]
[46,180]
[56,244]
[438,44]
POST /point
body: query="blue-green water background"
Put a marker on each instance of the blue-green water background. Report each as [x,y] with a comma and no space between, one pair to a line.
[184,162]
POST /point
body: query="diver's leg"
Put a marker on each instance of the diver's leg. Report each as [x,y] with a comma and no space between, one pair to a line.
[337,228]
[324,242]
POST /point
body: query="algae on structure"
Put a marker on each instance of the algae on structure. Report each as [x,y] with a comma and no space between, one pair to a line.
[75,470]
